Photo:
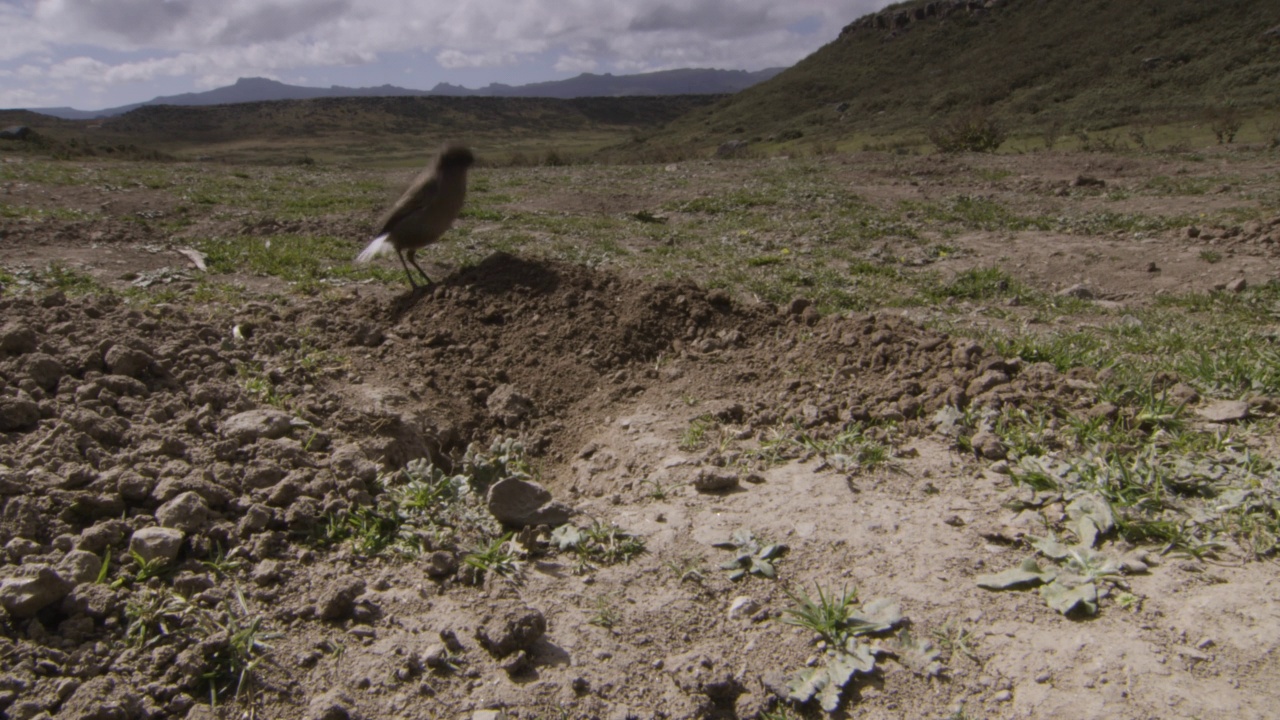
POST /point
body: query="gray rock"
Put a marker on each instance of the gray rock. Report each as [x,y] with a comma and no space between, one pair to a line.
[96,600]
[986,381]
[1079,291]
[987,445]
[16,339]
[99,537]
[441,564]
[127,361]
[713,479]
[743,607]
[511,628]
[157,543]
[508,405]
[18,414]
[1224,411]
[252,425]
[332,705]
[20,547]
[187,512]
[518,502]
[45,370]
[80,566]
[1237,286]
[488,715]
[37,588]
[337,602]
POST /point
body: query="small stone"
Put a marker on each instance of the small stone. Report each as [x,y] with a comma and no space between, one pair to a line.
[1043,678]
[1237,286]
[987,445]
[1003,696]
[1079,291]
[1152,267]
[1224,411]
[187,512]
[339,600]
[518,502]
[80,566]
[713,479]
[126,361]
[36,589]
[17,339]
[508,405]
[252,425]
[742,606]
[332,705]
[157,543]
[488,715]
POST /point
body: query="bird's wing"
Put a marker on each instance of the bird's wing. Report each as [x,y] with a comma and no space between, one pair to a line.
[420,194]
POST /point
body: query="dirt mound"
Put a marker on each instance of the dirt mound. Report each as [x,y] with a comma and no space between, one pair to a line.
[153,456]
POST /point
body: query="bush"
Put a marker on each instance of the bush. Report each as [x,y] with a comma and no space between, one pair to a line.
[974,131]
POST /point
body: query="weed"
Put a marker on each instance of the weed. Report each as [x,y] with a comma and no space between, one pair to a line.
[600,542]
[606,614]
[955,639]
[686,567]
[828,616]
[750,557]
[1210,256]
[695,436]
[498,557]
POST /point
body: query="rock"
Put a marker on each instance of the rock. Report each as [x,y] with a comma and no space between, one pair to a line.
[441,564]
[17,339]
[18,414]
[331,705]
[157,543]
[102,698]
[187,512]
[18,548]
[714,479]
[1079,291]
[39,586]
[1237,286]
[1224,411]
[488,715]
[518,502]
[1183,394]
[508,405]
[252,425]
[730,148]
[742,607]
[986,381]
[93,599]
[267,572]
[1087,181]
[121,360]
[510,629]
[987,445]
[45,370]
[79,566]
[339,600]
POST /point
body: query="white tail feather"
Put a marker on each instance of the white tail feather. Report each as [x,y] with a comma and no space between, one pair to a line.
[374,249]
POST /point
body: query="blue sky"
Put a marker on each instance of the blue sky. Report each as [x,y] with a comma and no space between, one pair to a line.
[91,54]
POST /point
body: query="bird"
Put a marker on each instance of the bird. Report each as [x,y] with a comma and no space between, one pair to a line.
[425,211]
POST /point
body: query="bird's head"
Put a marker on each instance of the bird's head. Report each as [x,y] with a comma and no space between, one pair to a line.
[456,157]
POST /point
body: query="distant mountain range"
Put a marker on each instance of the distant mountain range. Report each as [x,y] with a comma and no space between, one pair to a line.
[687,81]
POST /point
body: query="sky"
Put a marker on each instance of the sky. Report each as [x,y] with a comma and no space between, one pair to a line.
[94,54]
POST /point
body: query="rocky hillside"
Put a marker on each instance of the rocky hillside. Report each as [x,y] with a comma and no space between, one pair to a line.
[1080,63]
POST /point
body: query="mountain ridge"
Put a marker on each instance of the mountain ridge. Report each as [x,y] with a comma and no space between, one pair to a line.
[682,81]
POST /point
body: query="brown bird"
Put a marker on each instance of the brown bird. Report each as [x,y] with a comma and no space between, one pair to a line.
[425,211]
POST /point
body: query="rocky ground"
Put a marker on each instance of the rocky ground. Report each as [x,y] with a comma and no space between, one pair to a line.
[205,511]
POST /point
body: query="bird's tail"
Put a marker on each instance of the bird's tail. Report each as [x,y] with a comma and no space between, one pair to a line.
[374,249]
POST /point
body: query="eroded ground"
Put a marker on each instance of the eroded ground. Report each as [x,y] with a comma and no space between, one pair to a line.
[864,358]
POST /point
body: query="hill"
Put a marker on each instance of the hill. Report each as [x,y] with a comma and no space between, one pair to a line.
[369,130]
[685,81]
[1089,64]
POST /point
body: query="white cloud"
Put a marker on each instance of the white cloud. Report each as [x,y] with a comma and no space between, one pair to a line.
[574,64]
[133,42]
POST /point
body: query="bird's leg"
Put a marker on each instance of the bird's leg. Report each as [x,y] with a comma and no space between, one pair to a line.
[400,254]
[412,252]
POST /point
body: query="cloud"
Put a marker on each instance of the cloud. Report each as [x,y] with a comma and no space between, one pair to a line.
[132,42]
[572,64]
